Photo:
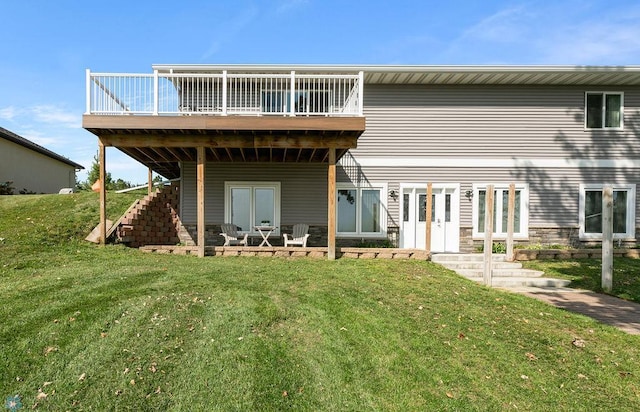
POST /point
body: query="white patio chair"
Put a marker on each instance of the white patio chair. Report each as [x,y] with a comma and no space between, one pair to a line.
[231,235]
[299,237]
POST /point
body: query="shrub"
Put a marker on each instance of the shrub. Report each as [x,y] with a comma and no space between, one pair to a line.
[6,188]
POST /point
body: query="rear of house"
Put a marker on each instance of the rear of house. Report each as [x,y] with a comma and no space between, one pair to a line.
[270,134]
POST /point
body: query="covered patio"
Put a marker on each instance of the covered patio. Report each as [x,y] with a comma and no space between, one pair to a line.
[163,143]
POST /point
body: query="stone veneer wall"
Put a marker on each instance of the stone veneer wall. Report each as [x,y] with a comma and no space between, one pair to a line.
[568,237]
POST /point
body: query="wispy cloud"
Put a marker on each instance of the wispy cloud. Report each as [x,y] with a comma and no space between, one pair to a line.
[285,6]
[230,29]
[556,33]
[43,139]
[54,115]
[8,113]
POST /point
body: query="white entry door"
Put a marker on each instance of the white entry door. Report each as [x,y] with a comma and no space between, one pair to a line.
[445,218]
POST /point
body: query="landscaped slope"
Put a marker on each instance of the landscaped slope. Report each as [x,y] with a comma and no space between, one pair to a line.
[103,328]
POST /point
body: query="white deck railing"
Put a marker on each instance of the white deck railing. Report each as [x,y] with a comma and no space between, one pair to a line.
[285,94]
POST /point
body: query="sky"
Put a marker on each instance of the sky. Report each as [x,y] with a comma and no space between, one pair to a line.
[46,46]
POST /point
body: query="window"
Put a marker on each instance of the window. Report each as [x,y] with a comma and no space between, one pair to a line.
[360,211]
[500,207]
[249,204]
[624,216]
[307,101]
[603,110]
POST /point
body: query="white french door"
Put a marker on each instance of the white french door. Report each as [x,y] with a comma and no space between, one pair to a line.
[445,218]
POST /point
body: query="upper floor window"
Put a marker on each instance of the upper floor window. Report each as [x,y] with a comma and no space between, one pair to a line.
[603,110]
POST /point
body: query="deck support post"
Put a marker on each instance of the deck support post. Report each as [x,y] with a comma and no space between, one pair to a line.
[428,210]
[200,199]
[607,238]
[149,181]
[103,193]
[331,205]
[488,237]
[511,213]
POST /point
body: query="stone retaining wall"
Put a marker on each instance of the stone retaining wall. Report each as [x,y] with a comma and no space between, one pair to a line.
[530,254]
[317,252]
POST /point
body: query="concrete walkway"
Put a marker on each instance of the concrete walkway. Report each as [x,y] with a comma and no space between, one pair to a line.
[607,309]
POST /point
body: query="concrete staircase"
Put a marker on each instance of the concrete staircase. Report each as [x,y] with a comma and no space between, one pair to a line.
[505,274]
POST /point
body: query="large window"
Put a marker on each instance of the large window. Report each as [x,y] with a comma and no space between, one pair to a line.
[603,110]
[249,204]
[501,209]
[624,214]
[361,211]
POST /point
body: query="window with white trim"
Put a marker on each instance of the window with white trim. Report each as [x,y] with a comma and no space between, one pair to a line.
[604,110]
[501,209]
[360,211]
[624,211]
[250,204]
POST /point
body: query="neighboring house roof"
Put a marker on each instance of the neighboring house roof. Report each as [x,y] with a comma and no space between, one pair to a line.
[8,135]
[454,75]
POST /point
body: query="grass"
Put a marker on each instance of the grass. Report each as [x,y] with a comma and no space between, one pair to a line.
[587,274]
[111,328]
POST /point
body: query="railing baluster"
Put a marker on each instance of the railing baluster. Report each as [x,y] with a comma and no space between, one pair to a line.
[224,93]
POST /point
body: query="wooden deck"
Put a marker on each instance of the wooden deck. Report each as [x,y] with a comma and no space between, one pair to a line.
[288,252]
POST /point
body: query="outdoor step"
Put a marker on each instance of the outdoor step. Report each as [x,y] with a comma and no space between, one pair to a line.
[525,282]
[525,273]
[455,265]
[465,257]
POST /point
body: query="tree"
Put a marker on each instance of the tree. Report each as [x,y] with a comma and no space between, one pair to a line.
[94,174]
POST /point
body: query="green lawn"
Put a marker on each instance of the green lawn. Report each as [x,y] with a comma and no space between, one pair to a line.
[109,328]
[587,274]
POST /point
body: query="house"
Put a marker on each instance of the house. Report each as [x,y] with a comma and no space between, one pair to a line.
[32,168]
[350,150]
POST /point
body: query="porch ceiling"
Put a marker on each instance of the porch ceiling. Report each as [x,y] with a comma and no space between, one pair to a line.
[161,143]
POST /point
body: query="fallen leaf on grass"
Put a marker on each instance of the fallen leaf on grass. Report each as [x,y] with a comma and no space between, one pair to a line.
[531,356]
[285,394]
[50,349]
[46,384]
[82,377]
[578,343]
[41,395]
[461,335]
[449,395]
[132,382]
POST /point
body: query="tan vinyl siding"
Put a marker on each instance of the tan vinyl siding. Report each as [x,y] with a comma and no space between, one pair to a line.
[303,189]
[496,121]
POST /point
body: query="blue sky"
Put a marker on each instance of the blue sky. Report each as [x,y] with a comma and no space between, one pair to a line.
[47,45]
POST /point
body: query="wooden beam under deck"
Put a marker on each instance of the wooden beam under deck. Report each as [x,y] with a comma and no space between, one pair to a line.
[281,141]
[224,123]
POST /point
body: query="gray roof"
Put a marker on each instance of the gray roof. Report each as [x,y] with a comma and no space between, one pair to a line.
[435,74]
[12,137]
